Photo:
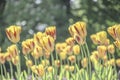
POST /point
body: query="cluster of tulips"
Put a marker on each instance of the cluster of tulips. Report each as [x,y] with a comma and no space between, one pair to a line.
[69,60]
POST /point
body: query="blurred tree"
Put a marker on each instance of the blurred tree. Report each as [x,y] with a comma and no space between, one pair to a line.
[35,15]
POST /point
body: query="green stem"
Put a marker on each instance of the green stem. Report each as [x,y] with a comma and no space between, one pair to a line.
[115,68]
[88,52]
[5,70]
[1,71]
[11,69]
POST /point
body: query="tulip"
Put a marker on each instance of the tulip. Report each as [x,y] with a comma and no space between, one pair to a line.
[51,30]
[13,50]
[29,63]
[15,60]
[50,69]
[84,62]
[13,33]
[70,41]
[111,49]
[76,49]
[27,46]
[2,58]
[118,62]
[72,58]
[57,63]
[102,51]
[117,44]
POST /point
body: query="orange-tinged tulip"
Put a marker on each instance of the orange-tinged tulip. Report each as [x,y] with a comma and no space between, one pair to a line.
[95,54]
[13,50]
[76,49]
[15,60]
[8,56]
[84,62]
[27,46]
[29,63]
[2,58]
[102,51]
[111,49]
[37,52]
[41,70]
[51,30]
[13,33]
[117,44]
[68,50]
[57,63]
[72,58]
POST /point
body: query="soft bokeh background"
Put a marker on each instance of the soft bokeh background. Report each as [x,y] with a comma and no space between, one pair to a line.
[35,15]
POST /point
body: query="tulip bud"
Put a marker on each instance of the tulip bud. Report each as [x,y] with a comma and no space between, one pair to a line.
[29,63]
[111,49]
[76,49]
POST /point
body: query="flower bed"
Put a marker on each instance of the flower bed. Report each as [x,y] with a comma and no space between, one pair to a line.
[69,60]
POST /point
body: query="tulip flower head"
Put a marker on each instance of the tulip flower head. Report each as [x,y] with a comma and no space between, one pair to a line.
[13,33]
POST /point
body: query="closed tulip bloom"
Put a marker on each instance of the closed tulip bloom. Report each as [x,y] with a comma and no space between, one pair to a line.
[13,50]
[13,33]
[70,41]
[34,69]
[37,52]
[118,32]
[38,37]
[29,63]
[15,60]
[94,39]
[71,68]
[60,46]
[27,46]
[102,51]
[57,63]
[112,62]
[84,62]
[50,69]
[111,49]
[96,55]
[51,30]
[72,58]
[118,62]
[112,31]
[45,62]
[41,70]
[68,50]
[117,44]
[2,58]
[66,67]
[102,36]
[76,49]
[48,43]
[63,55]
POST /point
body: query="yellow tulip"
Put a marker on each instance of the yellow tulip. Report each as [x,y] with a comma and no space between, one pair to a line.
[13,50]
[13,33]
[37,52]
[118,62]
[111,49]
[51,30]
[71,68]
[41,70]
[84,62]
[112,31]
[76,49]
[60,46]
[29,63]
[72,58]
[50,69]
[70,41]
[57,63]
[117,44]
[15,60]
[8,56]
[27,46]
[101,51]
[63,55]
[45,62]
[48,43]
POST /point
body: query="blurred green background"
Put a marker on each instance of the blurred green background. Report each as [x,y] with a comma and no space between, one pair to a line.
[35,15]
